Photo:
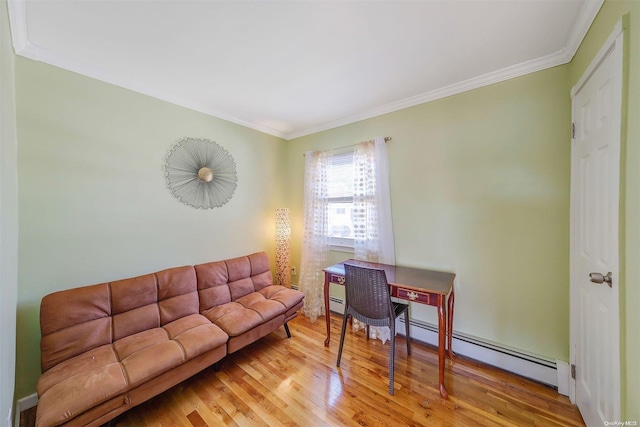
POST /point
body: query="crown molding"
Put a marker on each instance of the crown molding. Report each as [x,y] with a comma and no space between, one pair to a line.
[18,24]
[588,13]
[557,58]
[61,61]
[22,46]
[579,30]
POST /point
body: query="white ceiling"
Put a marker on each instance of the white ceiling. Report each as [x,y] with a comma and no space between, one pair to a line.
[291,68]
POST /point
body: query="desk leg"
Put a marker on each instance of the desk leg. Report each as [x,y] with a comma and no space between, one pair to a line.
[442,332]
[327,312]
[450,324]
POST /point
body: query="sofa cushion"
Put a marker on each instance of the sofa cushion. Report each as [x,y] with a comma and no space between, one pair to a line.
[238,268]
[240,283]
[70,307]
[151,361]
[74,321]
[132,344]
[287,297]
[86,362]
[212,280]
[73,341]
[262,280]
[134,305]
[260,270]
[137,320]
[251,310]
[257,302]
[129,294]
[149,353]
[177,293]
[240,288]
[233,318]
[77,384]
[239,341]
[196,334]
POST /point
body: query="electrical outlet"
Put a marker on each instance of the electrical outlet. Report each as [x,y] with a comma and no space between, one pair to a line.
[294,271]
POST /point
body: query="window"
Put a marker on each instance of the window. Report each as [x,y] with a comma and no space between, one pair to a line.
[340,199]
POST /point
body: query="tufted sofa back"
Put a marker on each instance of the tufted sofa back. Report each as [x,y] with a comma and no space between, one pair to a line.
[77,320]
[221,282]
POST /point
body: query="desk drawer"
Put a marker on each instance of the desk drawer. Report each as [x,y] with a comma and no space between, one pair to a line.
[421,297]
[336,278]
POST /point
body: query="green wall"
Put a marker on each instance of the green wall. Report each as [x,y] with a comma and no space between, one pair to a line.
[93,202]
[480,187]
[611,12]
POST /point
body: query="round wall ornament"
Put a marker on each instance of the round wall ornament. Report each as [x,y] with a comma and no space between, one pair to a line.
[200,173]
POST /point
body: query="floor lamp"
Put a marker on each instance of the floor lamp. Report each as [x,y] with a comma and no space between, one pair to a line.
[283,237]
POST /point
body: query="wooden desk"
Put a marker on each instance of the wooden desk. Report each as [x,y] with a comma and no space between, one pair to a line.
[428,287]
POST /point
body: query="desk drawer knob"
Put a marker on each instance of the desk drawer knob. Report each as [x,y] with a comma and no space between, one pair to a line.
[412,296]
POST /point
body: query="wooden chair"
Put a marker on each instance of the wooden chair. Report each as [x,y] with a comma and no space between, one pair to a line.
[369,301]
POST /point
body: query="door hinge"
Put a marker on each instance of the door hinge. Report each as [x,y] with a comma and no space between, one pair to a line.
[573,372]
[573,131]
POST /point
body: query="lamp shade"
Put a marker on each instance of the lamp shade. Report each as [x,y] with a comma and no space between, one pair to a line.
[283,237]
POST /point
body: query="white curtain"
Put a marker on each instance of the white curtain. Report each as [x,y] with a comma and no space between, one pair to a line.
[373,226]
[315,240]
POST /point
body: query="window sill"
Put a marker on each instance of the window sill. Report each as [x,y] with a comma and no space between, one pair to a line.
[340,248]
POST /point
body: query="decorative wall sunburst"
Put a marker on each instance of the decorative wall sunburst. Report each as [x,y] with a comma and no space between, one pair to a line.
[200,173]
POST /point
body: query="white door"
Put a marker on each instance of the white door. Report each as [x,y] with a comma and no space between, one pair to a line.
[595,181]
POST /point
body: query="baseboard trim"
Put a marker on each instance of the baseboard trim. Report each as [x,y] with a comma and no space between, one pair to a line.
[28,402]
[23,404]
[564,377]
[547,371]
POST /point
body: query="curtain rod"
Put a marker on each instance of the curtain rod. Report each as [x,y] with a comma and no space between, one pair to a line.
[386,139]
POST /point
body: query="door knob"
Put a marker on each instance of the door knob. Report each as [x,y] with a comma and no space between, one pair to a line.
[599,278]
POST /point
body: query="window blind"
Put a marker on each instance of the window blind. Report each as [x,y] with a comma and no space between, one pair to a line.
[340,176]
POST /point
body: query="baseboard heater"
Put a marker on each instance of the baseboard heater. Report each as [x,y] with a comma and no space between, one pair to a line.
[547,371]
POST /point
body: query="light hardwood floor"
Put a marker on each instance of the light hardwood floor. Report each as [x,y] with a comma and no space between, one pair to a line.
[294,382]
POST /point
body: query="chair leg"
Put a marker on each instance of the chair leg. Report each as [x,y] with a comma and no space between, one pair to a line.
[367,332]
[391,360]
[344,330]
[408,336]
[286,328]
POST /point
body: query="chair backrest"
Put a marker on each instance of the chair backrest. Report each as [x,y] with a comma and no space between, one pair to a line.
[367,292]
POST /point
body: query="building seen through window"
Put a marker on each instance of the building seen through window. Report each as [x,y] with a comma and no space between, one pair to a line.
[340,199]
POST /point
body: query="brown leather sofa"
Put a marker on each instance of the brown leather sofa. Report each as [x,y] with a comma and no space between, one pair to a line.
[106,348]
